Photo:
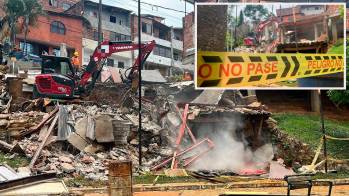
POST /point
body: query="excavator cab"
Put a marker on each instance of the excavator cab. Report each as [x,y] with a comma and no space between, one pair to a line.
[57,78]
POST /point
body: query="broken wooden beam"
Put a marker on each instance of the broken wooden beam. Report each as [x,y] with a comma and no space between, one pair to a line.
[42,123]
[38,151]
[11,148]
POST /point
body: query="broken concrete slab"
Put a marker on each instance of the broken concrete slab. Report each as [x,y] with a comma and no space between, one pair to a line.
[77,138]
[209,97]
[104,129]
[90,128]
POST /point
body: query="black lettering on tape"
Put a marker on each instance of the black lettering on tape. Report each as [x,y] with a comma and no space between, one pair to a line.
[255,78]
[326,57]
[317,71]
[235,80]
[210,83]
[325,70]
[212,59]
[339,68]
[340,57]
[236,59]
[333,57]
[333,69]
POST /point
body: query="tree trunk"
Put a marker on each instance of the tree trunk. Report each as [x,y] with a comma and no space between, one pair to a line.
[212,27]
[25,35]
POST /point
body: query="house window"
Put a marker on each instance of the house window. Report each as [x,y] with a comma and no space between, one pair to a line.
[146,28]
[57,27]
[162,51]
[110,62]
[119,37]
[56,52]
[112,19]
[176,56]
[66,6]
[30,47]
[121,64]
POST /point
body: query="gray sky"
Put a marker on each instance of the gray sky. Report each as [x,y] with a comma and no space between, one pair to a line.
[172,18]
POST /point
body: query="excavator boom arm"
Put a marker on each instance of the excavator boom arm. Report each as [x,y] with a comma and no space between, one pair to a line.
[106,49]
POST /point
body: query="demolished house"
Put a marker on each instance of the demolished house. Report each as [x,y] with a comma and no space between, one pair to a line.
[312,27]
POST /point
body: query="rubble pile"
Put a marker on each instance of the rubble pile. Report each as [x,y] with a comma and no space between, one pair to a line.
[179,130]
[87,138]
[16,125]
[293,151]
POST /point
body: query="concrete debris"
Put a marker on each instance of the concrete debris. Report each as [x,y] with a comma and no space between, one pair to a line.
[89,134]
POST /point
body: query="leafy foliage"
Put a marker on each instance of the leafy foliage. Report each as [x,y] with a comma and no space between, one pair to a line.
[256,12]
[340,97]
[28,10]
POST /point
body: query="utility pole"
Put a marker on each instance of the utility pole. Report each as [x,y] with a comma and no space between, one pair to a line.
[100,39]
[172,60]
[140,60]
[323,128]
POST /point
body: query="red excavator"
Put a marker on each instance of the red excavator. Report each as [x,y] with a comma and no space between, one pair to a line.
[58,78]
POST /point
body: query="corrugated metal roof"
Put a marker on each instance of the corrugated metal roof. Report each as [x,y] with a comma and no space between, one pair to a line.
[7,173]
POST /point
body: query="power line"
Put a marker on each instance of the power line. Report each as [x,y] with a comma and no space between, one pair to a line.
[166,8]
[148,9]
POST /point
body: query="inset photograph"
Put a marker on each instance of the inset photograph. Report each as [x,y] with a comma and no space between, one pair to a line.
[271,45]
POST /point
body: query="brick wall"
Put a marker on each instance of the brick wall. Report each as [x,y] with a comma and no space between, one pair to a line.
[211,27]
[57,6]
[188,31]
[42,32]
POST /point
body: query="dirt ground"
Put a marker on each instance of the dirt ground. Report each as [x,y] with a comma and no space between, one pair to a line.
[317,190]
[299,102]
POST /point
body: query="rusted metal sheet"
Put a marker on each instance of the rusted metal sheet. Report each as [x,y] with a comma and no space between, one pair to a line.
[104,129]
[15,87]
[120,178]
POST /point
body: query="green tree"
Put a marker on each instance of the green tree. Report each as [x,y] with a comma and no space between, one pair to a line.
[28,10]
[32,11]
[13,9]
[341,97]
[256,12]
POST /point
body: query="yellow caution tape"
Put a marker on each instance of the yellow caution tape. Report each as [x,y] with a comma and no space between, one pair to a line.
[228,69]
[336,138]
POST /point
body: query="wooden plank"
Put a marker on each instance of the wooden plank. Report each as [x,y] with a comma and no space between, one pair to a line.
[38,126]
[38,151]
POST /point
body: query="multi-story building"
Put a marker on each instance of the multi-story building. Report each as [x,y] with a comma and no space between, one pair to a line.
[52,29]
[169,43]
[116,26]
